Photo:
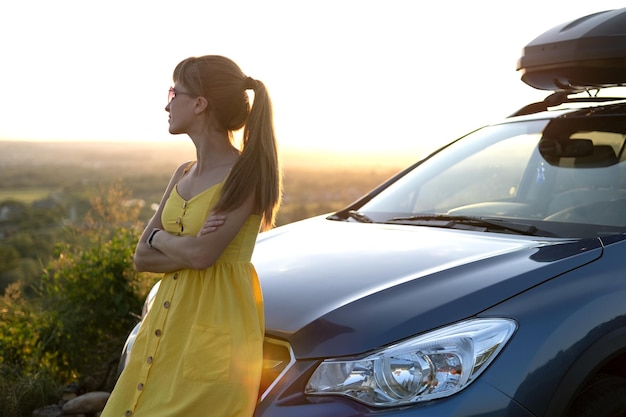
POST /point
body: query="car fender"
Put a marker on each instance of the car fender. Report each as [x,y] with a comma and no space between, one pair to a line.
[587,364]
[571,325]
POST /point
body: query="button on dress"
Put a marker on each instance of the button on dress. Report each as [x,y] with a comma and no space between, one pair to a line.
[198,352]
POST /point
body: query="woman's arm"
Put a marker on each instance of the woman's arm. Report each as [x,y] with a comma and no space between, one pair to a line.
[151,260]
[201,251]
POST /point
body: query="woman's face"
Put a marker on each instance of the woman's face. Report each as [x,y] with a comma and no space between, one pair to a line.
[180,107]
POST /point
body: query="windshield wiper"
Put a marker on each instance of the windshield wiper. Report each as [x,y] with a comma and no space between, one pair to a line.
[470,223]
[359,217]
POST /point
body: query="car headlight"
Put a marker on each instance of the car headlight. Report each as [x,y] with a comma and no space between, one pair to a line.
[432,365]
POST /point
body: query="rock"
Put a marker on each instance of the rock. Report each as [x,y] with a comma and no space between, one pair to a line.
[67,396]
[70,392]
[89,384]
[89,403]
[48,411]
[72,387]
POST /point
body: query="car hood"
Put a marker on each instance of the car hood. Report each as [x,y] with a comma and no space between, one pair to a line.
[341,288]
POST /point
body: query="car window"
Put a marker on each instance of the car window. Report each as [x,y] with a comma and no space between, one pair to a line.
[482,176]
[488,165]
[565,175]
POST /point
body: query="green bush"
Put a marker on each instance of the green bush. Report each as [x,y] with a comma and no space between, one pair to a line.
[88,299]
[72,324]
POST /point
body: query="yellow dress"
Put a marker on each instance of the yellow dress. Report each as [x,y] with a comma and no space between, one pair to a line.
[199,351]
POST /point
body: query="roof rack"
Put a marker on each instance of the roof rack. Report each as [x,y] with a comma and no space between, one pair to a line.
[561,97]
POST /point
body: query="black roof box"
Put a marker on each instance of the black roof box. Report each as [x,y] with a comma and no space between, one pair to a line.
[587,52]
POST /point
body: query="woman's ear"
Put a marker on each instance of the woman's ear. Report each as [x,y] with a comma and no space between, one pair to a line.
[201,105]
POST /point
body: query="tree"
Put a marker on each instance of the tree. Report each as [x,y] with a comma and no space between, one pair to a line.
[9,258]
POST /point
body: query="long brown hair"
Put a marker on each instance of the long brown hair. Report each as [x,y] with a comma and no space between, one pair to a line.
[257,169]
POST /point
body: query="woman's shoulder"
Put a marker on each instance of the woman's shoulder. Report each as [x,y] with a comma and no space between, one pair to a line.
[185,166]
[179,172]
[182,169]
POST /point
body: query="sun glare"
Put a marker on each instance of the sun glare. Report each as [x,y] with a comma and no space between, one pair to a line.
[365,79]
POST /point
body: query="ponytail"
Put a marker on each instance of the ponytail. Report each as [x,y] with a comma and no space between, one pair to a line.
[257,170]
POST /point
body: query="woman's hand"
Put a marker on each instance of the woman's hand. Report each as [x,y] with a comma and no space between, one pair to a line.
[212,223]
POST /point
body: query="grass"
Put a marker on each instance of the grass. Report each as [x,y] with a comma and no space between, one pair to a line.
[26,195]
[20,395]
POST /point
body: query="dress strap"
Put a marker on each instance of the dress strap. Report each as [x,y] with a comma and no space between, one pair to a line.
[188,167]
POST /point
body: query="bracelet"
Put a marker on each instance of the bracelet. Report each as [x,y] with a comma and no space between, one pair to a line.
[151,236]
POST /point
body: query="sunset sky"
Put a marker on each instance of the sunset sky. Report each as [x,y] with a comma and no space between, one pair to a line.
[357,75]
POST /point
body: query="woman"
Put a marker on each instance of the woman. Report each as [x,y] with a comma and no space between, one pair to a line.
[199,352]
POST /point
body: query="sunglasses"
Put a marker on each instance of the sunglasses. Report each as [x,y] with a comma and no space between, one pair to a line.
[171,94]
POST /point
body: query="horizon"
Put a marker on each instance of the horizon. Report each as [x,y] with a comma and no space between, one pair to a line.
[290,156]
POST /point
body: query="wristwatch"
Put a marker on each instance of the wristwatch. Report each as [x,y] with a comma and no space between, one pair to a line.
[151,236]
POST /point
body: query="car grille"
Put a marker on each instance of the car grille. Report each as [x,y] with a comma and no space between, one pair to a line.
[277,359]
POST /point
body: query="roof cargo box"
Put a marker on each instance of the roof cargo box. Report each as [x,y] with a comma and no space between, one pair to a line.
[585,53]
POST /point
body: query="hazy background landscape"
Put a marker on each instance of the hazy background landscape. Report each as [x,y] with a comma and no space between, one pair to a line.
[314,182]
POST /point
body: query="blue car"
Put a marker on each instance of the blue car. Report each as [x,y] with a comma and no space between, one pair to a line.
[488,279]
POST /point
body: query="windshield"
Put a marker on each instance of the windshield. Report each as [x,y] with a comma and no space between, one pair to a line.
[560,176]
